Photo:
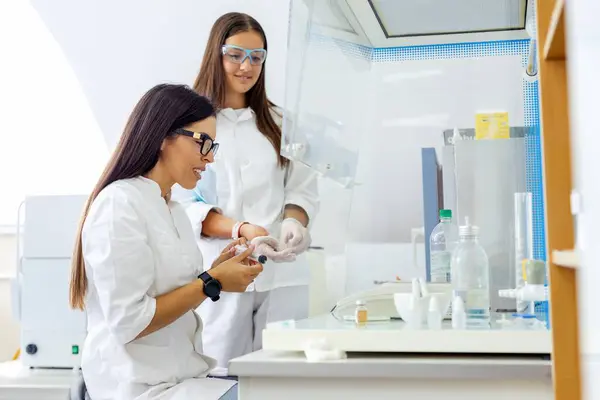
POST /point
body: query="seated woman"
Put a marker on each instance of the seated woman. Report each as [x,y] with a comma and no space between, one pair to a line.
[137,271]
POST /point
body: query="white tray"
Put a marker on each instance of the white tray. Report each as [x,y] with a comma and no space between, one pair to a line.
[396,337]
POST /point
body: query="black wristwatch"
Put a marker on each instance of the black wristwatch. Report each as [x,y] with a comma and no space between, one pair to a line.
[212,287]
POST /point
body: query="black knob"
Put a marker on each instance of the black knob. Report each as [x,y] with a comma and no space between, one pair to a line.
[31,349]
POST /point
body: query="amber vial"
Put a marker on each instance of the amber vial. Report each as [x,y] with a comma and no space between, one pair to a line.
[360,314]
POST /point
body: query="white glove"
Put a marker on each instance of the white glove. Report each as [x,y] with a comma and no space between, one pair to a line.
[270,247]
[294,236]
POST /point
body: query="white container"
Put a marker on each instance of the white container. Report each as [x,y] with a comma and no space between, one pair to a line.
[459,318]
[434,317]
[470,276]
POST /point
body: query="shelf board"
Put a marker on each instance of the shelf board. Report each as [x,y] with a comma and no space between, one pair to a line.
[554,48]
[566,258]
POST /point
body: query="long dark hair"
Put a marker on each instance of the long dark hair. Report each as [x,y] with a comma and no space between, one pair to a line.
[211,79]
[162,109]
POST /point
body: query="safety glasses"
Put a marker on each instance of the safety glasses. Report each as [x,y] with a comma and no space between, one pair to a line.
[205,142]
[238,55]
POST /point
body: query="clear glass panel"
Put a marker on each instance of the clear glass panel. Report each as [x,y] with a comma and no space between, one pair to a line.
[417,18]
[379,125]
[324,127]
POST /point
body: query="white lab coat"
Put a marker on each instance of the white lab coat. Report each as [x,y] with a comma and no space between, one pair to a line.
[136,247]
[245,183]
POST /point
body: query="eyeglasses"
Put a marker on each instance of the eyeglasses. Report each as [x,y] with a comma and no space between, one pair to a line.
[205,142]
[238,55]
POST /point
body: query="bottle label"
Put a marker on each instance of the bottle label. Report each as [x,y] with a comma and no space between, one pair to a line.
[476,303]
[440,266]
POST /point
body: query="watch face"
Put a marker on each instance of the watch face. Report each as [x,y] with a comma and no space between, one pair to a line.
[212,289]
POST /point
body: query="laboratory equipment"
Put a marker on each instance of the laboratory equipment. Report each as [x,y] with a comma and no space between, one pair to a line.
[533,292]
[470,275]
[413,307]
[432,201]
[480,179]
[443,241]
[368,138]
[260,258]
[52,334]
[382,300]
[523,241]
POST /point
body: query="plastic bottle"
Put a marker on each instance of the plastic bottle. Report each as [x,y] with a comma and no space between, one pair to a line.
[458,314]
[470,275]
[442,242]
[434,316]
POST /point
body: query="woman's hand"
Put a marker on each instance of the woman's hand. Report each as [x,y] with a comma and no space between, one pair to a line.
[229,251]
[235,273]
[250,231]
[294,236]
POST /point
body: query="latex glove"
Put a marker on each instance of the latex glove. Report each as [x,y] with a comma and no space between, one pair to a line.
[294,236]
[270,247]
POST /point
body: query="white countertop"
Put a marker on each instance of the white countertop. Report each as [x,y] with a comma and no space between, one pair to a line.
[402,366]
[20,382]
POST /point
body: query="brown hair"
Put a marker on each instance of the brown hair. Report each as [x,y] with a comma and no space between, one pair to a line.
[161,110]
[211,79]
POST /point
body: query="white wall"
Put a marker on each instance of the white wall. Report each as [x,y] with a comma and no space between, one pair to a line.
[582,33]
[407,106]
[115,51]
[119,49]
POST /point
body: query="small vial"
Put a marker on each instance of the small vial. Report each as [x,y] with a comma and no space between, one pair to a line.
[360,313]
[459,317]
[254,257]
[434,317]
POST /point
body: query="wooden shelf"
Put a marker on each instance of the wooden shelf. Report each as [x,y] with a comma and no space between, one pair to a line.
[554,46]
[566,258]
[556,144]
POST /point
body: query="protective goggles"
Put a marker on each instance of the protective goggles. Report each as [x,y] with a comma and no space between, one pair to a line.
[238,55]
[205,142]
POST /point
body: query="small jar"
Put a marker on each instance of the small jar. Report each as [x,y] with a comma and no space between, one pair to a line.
[360,313]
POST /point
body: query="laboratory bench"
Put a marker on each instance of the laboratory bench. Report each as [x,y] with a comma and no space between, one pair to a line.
[270,375]
[18,382]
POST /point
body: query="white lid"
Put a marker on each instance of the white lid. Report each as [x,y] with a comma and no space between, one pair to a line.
[434,305]
[416,287]
[467,229]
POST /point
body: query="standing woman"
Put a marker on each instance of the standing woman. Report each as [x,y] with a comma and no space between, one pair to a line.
[256,192]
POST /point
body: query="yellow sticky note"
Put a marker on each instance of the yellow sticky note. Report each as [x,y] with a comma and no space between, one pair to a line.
[492,126]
